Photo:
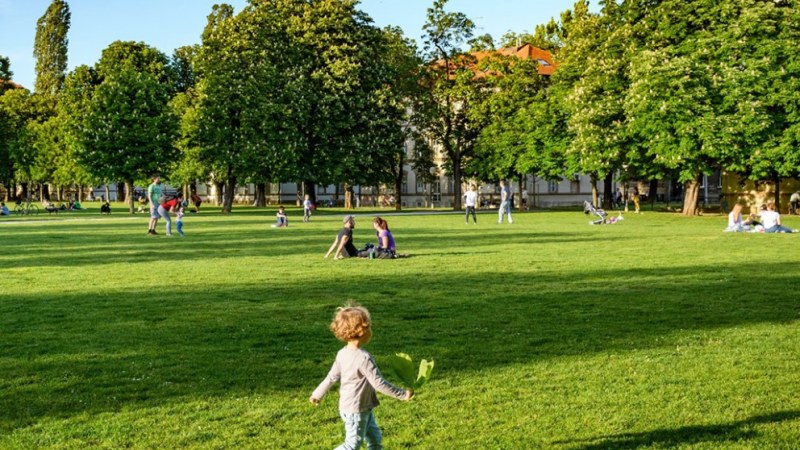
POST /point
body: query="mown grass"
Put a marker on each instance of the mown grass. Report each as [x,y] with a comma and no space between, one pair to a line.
[659,332]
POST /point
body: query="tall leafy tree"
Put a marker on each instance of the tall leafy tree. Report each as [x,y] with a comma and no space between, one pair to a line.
[518,136]
[592,81]
[18,111]
[451,89]
[129,129]
[50,47]
[673,102]
[760,68]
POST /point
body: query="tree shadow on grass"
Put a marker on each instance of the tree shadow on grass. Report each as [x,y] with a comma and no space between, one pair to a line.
[718,434]
[67,353]
[80,244]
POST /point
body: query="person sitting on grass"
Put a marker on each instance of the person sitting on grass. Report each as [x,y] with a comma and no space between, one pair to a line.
[771,220]
[4,210]
[386,245]
[343,244]
[282,220]
[105,208]
[359,377]
[735,222]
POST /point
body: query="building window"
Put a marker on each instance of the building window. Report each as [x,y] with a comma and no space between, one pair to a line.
[575,186]
[552,187]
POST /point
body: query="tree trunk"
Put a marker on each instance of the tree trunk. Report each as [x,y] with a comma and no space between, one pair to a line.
[45,192]
[691,198]
[230,190]
[398,192]
[348,196]
[122,194]
[310,189]
[777,182]
[653,193]
[261,195]
[457,183]
[108,193]
[219,189]
[608,188]
[595,194]
[129,198]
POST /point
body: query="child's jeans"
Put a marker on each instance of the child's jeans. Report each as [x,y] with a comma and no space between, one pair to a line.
[359,427]
[179,224]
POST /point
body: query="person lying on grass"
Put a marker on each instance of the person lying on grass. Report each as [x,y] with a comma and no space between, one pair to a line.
[359,376]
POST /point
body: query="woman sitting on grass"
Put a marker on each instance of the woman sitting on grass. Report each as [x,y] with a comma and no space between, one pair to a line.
[386,246]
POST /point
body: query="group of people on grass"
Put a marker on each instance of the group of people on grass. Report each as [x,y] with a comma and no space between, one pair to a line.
[768,220]
[343,246]
[161,205]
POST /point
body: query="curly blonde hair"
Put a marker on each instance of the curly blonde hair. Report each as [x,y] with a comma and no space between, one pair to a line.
[350,322]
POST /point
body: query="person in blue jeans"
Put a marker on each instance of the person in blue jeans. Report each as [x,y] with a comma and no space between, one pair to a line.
[505,203]
[355,368]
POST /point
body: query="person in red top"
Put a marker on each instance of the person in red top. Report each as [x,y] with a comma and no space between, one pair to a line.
[168,206]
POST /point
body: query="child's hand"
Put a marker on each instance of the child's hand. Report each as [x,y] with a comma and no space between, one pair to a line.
[409,394]
[314,401]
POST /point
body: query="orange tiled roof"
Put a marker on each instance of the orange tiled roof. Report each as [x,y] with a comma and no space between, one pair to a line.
[13,85]
[524,51]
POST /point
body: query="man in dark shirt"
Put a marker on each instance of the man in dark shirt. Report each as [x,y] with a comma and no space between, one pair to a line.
[344,240]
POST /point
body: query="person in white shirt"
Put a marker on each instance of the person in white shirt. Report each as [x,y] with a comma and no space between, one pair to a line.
[470,200]
[771,220]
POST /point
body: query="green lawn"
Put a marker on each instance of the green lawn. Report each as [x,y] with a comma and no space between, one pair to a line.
[658,332]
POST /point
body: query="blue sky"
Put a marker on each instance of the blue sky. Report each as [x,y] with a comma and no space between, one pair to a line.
[168,24]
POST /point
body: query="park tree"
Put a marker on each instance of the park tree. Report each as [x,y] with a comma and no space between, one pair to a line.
[757,52]
[18,112]
[129,128]
[518,135]
[230,130]
[5,75]
[592,81]
[450,89]
[50,48]
[673,103]
[404,61]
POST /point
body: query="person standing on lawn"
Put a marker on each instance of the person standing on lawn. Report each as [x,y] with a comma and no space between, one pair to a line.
[356,370]
[154,197]
[307,209]
[505,203]
[470,199]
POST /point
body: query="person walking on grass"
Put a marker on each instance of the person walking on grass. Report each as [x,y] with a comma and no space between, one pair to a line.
[470,199]
[307,209]
[154,196]
[359,378]
[179,219]
[505,203]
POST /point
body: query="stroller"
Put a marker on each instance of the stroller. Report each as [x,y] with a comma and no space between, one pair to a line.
[602,215]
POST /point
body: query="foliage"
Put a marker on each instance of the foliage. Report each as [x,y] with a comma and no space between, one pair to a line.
[50,48]
[450,90]
[402,366]
[129,129]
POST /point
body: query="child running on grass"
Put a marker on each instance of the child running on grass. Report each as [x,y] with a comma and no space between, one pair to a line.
[360,377]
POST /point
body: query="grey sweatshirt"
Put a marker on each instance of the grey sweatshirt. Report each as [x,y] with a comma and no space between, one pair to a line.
[360,377]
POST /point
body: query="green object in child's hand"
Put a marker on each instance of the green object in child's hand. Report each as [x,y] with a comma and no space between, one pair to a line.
[403,368]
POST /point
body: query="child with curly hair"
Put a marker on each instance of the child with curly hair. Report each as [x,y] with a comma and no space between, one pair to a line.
[360,377]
